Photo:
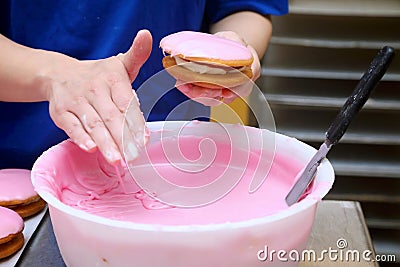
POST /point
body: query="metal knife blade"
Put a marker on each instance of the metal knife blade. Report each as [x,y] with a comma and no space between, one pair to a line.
[307,175]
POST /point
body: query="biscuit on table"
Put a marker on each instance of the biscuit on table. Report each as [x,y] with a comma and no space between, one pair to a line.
[17,192]
[11,236]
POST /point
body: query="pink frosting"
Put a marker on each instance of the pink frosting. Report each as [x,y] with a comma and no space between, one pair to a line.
[15,184]
[85,183]
[197,44]
[10,222]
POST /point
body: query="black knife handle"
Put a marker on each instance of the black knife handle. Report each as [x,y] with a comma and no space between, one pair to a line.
[360,95]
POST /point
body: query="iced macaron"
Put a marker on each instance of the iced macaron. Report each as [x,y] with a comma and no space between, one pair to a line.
[206,60]
[17,192]
[11,236]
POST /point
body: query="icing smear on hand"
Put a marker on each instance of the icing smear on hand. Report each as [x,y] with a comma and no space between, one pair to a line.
[135,135]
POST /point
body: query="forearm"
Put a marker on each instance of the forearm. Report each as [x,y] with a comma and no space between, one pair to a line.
[254,28]
[23,72]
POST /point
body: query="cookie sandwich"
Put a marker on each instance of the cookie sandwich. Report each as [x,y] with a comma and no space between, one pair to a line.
[206,60]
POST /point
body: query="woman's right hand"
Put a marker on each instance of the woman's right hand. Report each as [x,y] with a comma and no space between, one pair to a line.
[89,99]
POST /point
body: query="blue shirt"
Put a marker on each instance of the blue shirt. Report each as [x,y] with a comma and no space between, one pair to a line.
[97,29]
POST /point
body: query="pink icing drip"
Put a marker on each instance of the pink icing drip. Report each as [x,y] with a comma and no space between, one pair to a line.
[10,222]
[119,177]
[149,202]
[15,184]
[196,44]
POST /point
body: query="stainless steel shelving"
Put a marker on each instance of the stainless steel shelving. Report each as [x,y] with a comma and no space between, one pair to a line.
[316,56]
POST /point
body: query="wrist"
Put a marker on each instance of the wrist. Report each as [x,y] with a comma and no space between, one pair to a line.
[50,68]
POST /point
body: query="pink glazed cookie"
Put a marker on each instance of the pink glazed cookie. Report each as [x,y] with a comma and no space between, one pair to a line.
[11,236]
[206,60]
[17,193]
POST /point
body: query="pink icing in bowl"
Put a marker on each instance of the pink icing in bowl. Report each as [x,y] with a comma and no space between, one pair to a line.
[112,222]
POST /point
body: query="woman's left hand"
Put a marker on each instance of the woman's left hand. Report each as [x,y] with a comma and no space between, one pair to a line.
[214,97]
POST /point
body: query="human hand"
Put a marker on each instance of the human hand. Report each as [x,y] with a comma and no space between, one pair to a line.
[89,99]
[214,97]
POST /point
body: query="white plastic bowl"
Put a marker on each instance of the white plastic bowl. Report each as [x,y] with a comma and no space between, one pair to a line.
[90,240]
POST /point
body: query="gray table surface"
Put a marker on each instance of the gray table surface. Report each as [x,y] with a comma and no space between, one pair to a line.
[334,219]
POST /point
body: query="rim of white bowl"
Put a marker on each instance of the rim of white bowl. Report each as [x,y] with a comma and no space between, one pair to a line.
[307,202]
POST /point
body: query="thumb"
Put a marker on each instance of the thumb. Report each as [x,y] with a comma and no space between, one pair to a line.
[137,55]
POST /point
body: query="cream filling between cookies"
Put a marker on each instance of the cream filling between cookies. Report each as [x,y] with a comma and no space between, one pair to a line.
[206,68]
